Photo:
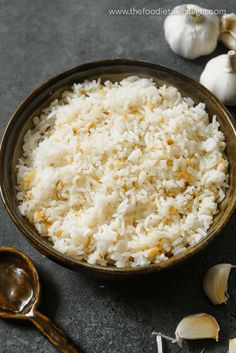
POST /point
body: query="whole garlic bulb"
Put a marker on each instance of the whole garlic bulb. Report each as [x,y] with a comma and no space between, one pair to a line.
[228,30]
[232,345]
[191,31]
[219,76]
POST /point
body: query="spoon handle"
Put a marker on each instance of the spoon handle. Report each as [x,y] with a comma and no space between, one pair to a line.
[62,342]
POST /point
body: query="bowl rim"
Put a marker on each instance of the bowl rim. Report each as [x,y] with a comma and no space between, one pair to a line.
[46,249]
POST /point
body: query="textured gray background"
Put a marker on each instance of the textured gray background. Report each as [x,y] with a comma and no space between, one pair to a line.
[39,38]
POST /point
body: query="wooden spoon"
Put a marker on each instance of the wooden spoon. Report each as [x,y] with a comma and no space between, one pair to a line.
[20,295]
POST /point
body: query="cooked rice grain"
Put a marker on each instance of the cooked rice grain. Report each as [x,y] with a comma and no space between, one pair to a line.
[123,174]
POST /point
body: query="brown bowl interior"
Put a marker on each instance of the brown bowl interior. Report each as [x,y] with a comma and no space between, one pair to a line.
[114,70]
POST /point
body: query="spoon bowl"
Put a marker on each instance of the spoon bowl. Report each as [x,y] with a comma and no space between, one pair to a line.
[19,284]
[20,295]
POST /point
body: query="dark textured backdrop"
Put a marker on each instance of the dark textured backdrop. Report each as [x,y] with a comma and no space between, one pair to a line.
[39,38]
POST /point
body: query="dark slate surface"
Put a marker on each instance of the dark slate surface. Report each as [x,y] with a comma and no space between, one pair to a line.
[38,39]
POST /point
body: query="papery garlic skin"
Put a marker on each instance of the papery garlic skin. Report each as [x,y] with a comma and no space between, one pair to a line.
[159,344]
[198,326]
[232,345]
[215,283]
[228,30]
[219,76]
[191,31]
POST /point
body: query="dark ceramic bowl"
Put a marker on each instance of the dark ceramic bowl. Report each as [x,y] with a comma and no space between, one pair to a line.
[117,69]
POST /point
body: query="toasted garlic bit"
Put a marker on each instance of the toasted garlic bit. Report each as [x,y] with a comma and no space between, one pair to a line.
[232,345]
[191,31]
[153,252]
[219,76]
[27,180]
[215,283]
[228,30]
[198,326]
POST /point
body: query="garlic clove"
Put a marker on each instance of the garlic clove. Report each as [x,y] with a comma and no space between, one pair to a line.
[191,31]
[219,76]
[215,283]
[232,345]
[228,30]
[198,326]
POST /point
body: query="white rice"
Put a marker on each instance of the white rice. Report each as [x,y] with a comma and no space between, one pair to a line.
[123,174]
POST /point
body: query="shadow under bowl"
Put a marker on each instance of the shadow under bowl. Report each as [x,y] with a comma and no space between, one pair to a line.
[114,70]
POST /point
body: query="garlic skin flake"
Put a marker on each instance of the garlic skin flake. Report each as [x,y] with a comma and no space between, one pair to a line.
[159,344]
[232,345]
[219,76]
[215,283]
[198,326]
[228,30]
[191,31]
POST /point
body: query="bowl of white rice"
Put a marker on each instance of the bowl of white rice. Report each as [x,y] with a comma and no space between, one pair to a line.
[119,167]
